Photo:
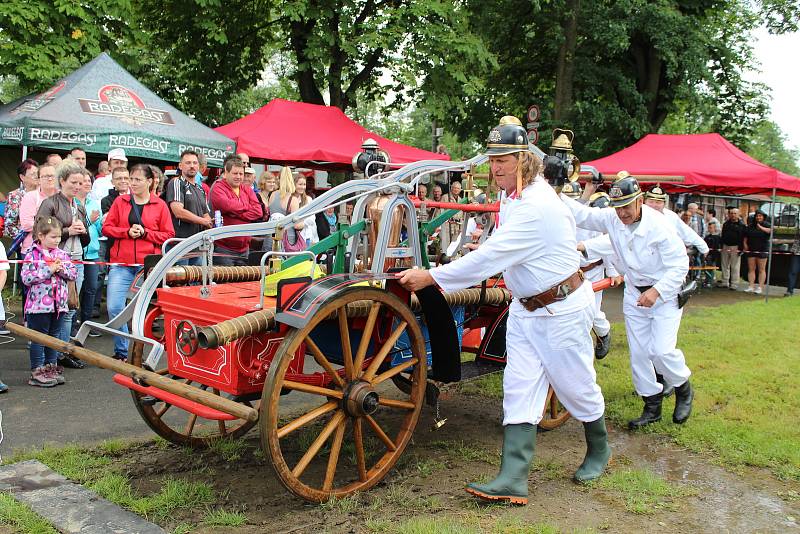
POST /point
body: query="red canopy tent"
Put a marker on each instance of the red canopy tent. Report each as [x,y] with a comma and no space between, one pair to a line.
[703,162]
[294,133]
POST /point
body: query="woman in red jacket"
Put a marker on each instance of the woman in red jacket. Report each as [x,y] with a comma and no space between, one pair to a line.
[139,223]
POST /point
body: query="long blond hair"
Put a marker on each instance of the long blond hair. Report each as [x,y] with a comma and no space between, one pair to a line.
[286,185]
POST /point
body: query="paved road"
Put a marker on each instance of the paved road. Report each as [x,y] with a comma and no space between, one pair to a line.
[90,407]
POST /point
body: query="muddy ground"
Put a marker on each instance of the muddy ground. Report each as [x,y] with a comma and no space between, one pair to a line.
[431,475]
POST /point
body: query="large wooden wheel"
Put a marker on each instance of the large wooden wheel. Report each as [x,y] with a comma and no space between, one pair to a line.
[172,423]
[554,414]
[344,437]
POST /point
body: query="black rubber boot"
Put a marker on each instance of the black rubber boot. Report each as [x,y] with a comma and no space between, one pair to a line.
[668,390]
[511,484]
[650,414]
[598,453]
[684,394]
[602,346]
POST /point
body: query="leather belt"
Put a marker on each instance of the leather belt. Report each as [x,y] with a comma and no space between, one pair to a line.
[591,266]
[642,289]
[556,293]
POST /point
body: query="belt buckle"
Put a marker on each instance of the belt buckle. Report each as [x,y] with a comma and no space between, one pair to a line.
[563,291]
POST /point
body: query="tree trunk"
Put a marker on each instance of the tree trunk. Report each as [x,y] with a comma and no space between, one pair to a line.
[565,67]
[309,92]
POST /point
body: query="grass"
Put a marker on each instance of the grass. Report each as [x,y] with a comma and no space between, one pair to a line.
[22,518]
[223,518]
[643,491]
[93,468]
[230,449]
[473,524]
[468,452]
[745,363]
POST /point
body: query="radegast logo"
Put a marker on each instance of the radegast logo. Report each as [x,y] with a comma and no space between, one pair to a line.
[121,102]
[159,146]
[32,104]
[63,136]
[212,154]
[13,134]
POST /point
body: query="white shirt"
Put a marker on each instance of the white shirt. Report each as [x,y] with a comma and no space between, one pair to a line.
[534,247]
[651,254]
[100,187]
[599,248]
[685,232]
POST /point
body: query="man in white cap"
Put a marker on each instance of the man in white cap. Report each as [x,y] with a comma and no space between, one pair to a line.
[547,338]
[102,184]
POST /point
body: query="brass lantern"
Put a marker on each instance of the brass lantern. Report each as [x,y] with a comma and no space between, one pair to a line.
[561,165]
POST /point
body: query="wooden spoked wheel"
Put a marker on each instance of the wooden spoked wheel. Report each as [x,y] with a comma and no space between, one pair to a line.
[344,437]
[177,425]
[554,414]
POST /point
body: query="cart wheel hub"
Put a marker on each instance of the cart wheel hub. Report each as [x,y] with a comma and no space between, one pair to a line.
[360,399]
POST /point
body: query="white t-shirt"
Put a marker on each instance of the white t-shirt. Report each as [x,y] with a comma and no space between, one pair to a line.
[100,187]
[3,267]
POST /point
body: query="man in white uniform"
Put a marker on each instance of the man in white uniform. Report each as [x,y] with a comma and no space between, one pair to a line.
[653,259]
[657,198]
[547,339]
[594,270]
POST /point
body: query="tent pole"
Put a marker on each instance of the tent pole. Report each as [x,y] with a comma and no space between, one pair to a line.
[771,233]
[24,152]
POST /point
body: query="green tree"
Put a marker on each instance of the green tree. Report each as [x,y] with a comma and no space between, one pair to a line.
[770,146]
[43,40]
[633,62]
[197,54]
[342,48]
[781,16]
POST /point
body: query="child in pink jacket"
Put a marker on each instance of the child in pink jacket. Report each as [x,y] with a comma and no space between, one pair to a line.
[45,272]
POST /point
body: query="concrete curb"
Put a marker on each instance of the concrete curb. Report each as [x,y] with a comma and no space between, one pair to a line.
[71,508]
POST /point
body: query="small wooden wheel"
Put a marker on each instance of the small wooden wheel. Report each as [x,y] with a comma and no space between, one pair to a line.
[179,426]
[554,414]
[351,430]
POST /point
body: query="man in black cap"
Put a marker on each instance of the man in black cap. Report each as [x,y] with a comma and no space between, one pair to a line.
[654,262]
[547,338]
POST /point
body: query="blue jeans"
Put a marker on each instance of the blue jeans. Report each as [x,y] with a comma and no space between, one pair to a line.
[69,316]
[119,282]
[794,270]
[90,274]
[51,324]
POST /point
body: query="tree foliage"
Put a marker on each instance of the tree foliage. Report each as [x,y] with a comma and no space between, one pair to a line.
[43,40]
[634,62]
[197,54]
[612,70]
[770,146]
[781,16]
[343,47]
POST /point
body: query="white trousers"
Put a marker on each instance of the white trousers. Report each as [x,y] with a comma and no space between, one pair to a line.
[652,338]
[545,350]
[600,325]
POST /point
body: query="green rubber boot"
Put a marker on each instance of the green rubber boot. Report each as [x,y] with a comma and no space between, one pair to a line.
[598,453]
[511,485]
